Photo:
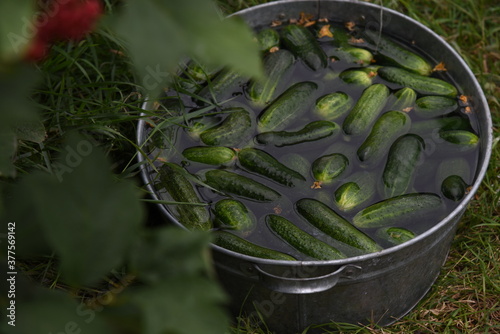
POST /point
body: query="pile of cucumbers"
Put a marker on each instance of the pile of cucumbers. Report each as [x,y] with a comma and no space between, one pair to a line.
[352,143]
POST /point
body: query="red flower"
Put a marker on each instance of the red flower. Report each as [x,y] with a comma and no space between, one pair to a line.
[63,20]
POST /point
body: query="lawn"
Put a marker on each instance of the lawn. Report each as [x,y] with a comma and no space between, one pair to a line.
[90,88]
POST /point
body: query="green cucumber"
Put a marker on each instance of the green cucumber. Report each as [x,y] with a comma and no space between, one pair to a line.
[460,139]
[351,54]
[329,222]
[398,55]
[438,124]
[397,210]
[233,214]
[404,100]
[357,77]
[400,166]
[395,235]
[240,185]
[311,132]
[211,155]
[333,106]
[301,240]
[235,128]
[421,84]
[276,65]
[434,106]
[221,88]
[341,36]
[173,179]
[290,105]
[264,164]
[201,72]
[358,190]
[328,168]
[236,244]
[388,127]
[366,110]
[301,42]
[268,38]
[454,188]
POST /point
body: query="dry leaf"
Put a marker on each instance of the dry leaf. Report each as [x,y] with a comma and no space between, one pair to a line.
[274,49]
[350,25]
[316,185]
[439,67]
[325,31]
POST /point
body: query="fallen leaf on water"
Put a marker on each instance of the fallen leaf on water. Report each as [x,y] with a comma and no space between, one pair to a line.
[325,31]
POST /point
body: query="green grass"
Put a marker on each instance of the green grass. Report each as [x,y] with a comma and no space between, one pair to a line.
[90,87]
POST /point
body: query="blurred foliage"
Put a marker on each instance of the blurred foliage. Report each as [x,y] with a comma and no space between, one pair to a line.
[80,219]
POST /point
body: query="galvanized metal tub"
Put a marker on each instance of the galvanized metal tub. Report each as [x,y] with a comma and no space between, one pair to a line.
[376,288]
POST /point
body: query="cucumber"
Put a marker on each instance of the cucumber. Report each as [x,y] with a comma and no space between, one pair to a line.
[398,210]
[197,125]
[236,244]
[201,72]
[235,128]
[173,180]
[388,127]
[358,190]
[276,65]
[421,84]
[301,42]
[328,168]
[240,185]
[290,105]
[268,38]
[222,87]
[366,110]
[351,54]
[233,214]
[400,166]
[396,54]
[404,100]
[264,164]
[311,132]
[454,188]
[211,155]
[434,106]
[395,235]
[301,240]
[341,36]
[329,222]
[357,77]
[460,139]
[333,106]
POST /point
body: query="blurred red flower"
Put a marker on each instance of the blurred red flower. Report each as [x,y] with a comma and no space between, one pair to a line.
[63,20]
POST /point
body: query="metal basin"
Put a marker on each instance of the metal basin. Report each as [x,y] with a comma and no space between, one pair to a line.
[374,288]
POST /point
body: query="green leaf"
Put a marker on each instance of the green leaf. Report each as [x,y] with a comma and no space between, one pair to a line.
[16,28]
[182,305]
[33,131]
[89,219]
[170,252]
[159,33]
[53,312]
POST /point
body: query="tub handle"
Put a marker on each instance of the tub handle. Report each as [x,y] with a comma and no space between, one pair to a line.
[306,285]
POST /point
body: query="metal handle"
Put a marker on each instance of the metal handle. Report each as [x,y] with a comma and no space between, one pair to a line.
[307,284]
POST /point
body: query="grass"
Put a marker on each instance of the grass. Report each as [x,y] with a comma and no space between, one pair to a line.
[89,86]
